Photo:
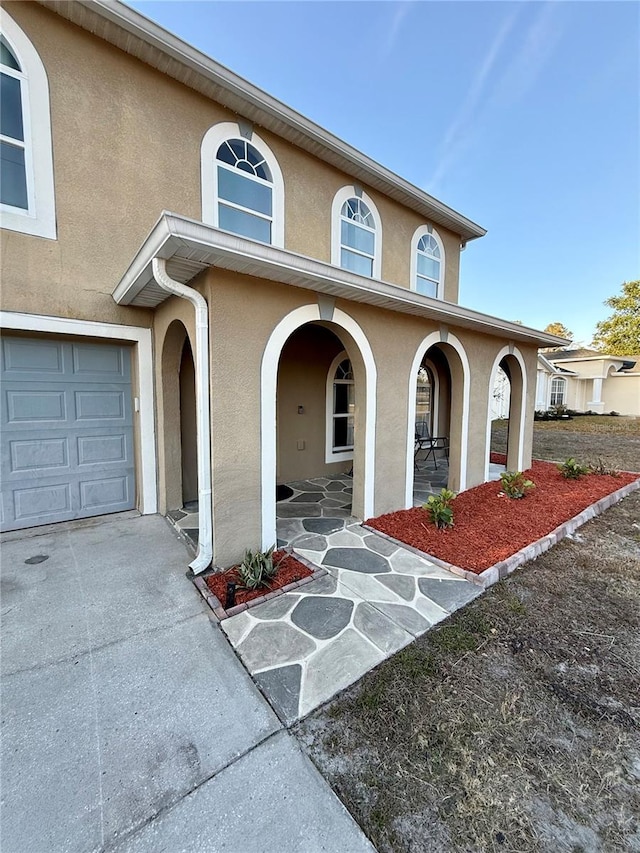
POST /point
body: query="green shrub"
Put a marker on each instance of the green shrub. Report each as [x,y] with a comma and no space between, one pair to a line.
[439,508]
[515,485]
[257,568]
[572,470]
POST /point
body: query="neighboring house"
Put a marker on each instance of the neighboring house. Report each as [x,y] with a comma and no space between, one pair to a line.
[271,328]
[500,397]
[588,380]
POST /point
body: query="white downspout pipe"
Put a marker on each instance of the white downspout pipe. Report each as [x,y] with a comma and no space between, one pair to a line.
[203,425]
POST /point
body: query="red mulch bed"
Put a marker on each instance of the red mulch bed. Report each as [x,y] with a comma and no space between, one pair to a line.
[498,458]
[289,570]
[489,527]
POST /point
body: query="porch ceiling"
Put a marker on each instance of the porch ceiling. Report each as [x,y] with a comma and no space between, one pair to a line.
[190,246]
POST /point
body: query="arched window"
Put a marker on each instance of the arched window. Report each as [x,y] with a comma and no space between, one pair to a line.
[242,185]
[356,233]
[427,262]
[245,193]
[26,162]
[558,389]
[340,409]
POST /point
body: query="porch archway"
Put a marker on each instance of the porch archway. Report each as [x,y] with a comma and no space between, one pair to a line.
[448,347]
[512,363]
[358,347]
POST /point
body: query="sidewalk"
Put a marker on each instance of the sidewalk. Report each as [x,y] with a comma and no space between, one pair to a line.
[128,723]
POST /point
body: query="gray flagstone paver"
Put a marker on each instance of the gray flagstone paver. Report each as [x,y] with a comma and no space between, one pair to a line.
[377,596]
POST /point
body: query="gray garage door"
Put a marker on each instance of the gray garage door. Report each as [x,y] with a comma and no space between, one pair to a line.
[67,437]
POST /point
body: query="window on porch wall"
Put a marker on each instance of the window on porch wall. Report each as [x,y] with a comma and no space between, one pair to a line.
[424,407]
[343,407]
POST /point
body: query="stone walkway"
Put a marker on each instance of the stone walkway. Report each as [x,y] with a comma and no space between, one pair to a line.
[303,647]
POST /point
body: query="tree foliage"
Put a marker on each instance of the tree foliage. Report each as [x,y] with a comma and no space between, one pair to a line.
[619,334]
[561,331]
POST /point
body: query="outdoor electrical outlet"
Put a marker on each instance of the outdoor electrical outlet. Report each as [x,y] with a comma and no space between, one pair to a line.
[300,444]
[301,410]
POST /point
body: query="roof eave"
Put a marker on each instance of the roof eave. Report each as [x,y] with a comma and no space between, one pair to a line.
[180,60]
[193,246]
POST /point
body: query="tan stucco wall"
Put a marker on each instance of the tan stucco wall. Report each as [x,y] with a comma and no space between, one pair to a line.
[126,145]
[302,381]
[622,394]
[244,313]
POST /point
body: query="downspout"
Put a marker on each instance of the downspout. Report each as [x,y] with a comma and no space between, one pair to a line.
[203,426]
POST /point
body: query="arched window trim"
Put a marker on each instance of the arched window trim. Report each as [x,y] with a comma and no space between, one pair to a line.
[39,219]
[419,233]
[344,194]
[330,455]
[211,142]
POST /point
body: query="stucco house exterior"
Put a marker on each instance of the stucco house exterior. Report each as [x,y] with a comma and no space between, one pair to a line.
[205,294]
[588,380]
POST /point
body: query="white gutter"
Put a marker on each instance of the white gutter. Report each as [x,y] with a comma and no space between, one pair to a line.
[203,428]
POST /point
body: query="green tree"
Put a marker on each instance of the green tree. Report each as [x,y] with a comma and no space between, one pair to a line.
[619,334]
[561,331]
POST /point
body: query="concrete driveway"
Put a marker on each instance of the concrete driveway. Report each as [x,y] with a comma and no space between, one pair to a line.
[128,723]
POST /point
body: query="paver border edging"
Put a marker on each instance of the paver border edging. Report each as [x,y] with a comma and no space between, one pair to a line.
[216,605]
[501,570]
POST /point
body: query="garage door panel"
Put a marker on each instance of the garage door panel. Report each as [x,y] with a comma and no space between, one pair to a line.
[91,365]
[67,441]
[104,492]
[41,503]
[24,357]
[100,405]
[38,455]
[31,406]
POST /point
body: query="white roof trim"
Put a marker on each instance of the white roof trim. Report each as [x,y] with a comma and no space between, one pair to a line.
[132,32]
[190,246]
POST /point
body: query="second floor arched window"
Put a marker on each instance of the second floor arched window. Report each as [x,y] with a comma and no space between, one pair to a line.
[356,233]
[427,262]
[242,185]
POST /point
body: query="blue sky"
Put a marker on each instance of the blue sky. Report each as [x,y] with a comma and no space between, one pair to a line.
[524,116]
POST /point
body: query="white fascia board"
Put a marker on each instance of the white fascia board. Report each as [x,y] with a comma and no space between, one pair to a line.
[179,236]
[348,158]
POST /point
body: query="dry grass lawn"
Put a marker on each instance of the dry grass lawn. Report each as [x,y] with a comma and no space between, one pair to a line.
[514,725]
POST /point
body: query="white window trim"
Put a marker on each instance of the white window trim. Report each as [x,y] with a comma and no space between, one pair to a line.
[40,219]
[563,382]
[145,381]
[435,396]
[420,232]
[344,194]
[211,142]
[330,455]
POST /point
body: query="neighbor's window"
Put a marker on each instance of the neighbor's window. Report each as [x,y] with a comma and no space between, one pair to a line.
[26,161]
[343,407]
[245,190]
[558,388]
[427,262]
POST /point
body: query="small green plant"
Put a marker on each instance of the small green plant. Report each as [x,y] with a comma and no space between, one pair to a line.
[572,470]
[257,568]
[515,485]
[439,508]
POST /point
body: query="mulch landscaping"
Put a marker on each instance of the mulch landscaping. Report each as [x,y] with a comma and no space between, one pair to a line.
[289,570]
[489,526]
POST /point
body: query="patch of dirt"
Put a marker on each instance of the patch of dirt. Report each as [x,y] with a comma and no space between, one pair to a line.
[588,438]
[512,726]
[489,527]
[289,570]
